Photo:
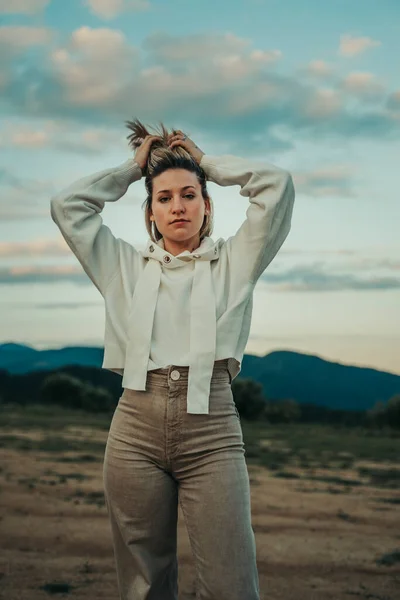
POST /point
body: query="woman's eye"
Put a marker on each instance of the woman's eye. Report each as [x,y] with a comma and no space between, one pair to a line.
[187,196]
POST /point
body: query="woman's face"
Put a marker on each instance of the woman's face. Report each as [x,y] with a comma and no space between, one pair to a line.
[177,195]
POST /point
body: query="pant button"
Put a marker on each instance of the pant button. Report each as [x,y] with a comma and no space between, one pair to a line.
[175,375]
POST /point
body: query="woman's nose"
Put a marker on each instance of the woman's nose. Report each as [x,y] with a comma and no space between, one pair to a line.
[177,204]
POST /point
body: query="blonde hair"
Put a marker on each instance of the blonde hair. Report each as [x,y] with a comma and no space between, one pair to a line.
[161,158]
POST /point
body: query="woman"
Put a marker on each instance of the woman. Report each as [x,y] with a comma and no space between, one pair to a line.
[177,322]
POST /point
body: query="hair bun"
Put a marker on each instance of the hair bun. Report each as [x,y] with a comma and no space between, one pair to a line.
[160,149]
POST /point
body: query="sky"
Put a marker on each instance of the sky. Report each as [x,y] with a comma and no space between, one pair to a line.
[311,87]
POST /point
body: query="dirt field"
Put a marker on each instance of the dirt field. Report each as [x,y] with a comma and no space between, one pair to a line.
[317,538]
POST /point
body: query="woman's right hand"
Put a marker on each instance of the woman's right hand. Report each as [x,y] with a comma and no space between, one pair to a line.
[142,152]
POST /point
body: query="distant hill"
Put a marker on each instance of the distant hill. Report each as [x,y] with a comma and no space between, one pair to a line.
[283,374]
[308,378]
[20,359]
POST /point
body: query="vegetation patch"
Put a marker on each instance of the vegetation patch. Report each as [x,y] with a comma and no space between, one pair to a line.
[382,477]
[389,559]
[91,497]
[57,587]
[49,444]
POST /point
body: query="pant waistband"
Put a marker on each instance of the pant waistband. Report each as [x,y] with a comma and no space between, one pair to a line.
[176,373]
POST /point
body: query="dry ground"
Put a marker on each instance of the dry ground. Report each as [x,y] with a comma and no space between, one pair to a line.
[316,540]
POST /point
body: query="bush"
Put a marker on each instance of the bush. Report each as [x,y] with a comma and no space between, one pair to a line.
[393,411]
[67,391]
[382,414]
[252,404]
[248,397]
[282,411]
[62,389]
[96,398]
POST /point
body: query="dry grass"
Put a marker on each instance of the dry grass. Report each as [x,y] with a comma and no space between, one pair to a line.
[326,517]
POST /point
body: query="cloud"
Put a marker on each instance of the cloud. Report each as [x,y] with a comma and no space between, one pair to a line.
[165,48]
[91,141]
[370,255]
[335,180]
[393,104]
[375,257]
[363,83]
[35,248]
[51,305]
[15,42]
[352,46]
[19,213]
[225,87]
[15,39]
[21,198]
[317,278]
[26,139]
[32,186]
[62,305]
[95,67]
[47,274]
[356,274]
[386,263]
[26,7]
[324,102]
[319,68]
[110,9]
[58,136]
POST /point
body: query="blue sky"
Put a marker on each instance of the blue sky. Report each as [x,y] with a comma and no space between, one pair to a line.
[312,87]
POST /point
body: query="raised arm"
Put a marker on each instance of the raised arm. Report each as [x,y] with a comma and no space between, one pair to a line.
[76,210]
[271,194]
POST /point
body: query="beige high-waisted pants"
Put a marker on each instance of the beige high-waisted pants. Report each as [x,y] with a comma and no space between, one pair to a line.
[156,455]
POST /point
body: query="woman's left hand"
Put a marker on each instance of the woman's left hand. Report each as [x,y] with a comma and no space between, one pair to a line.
[177,140]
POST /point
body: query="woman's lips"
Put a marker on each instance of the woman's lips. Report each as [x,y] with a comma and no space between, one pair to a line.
[179,222]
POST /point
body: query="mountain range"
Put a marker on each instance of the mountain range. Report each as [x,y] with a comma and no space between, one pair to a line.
[283,374]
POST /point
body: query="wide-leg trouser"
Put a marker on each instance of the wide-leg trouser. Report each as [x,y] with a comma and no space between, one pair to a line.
[158,455]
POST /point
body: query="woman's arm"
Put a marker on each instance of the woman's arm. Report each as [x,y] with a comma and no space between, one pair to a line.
[271,194]
[76,210]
